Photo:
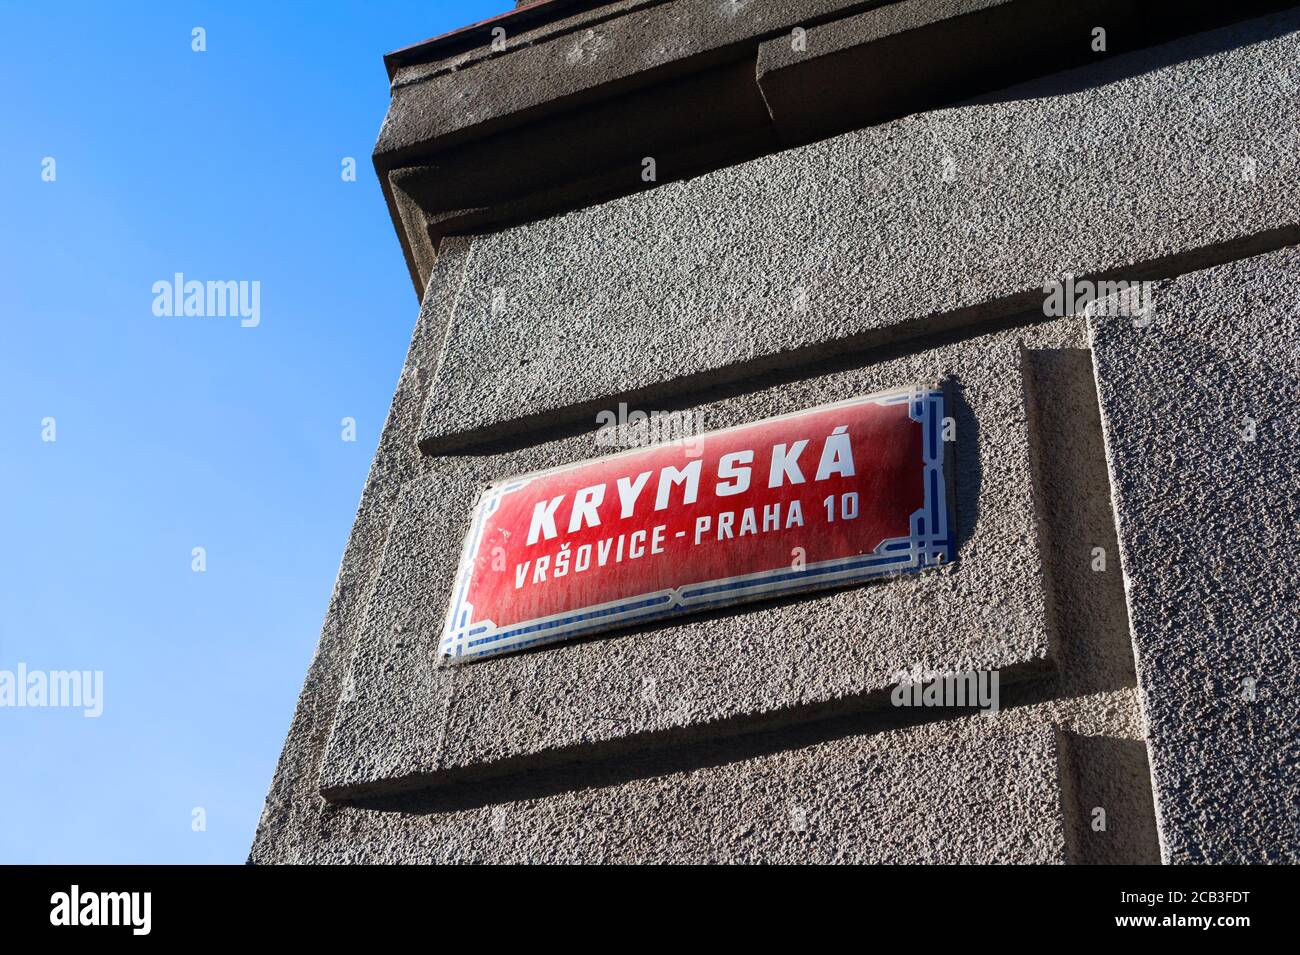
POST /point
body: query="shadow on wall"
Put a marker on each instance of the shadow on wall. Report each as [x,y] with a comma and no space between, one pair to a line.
[1106,791]
[1088,620]
[1140,62]
[1109,811]
[1076,522]
[967,467]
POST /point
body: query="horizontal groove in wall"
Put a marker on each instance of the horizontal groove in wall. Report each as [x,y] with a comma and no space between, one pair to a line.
[1021,308]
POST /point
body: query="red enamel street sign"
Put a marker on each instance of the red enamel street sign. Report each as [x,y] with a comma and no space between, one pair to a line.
[816,499]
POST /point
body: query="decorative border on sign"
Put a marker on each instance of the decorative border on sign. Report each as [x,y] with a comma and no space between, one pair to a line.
[931,542]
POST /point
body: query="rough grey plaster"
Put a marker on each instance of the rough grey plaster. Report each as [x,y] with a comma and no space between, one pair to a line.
[886,20]
[718,799]
[1222,778]
[1076,517]
[291,804]
[1043,181]
[610,55]
[1129,24]
[564,116]
[861,70]
[380,730]
[1208,526]
[1220,795]
[405,720]
[1110,819]
[423,60]
[497,178]
[962,792]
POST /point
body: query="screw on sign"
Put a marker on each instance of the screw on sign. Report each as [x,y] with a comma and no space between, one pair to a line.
[859,487]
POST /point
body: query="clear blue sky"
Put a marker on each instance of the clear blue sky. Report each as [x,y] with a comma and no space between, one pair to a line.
[173,432]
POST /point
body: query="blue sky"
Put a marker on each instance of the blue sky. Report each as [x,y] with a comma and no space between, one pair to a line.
[179,432]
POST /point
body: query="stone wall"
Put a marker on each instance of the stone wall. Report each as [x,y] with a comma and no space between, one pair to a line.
[1155,684]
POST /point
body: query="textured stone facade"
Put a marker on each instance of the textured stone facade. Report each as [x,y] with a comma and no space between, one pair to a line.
[885,205]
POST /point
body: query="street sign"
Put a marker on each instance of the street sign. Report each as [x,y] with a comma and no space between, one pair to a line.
[821,498]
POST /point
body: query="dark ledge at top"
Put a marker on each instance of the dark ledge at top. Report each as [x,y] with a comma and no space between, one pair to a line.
[477,37]
[558,103]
